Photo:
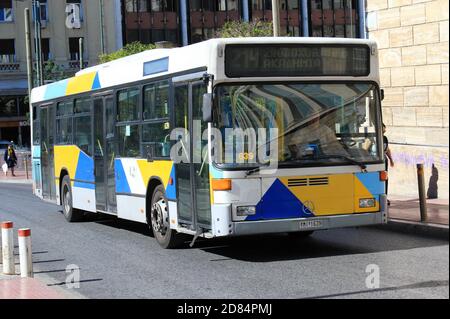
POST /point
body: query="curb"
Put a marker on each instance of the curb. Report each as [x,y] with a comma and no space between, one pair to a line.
[418,228]
[16,181]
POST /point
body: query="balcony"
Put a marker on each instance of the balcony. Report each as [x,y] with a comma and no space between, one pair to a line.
[8,63]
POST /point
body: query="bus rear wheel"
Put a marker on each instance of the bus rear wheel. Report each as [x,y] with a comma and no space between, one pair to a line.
[159,219]
[70,213]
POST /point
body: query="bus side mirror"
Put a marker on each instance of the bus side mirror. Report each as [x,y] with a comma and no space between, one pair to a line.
[207,107]
[382,94]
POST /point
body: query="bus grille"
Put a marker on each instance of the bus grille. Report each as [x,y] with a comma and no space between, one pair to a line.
[312,181]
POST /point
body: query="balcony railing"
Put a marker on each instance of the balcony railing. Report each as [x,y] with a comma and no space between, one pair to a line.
[76,64]
[9,67]
[8,63]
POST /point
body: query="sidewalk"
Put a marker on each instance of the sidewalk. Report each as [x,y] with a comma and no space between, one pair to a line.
[404,216]
[15,287]
[408,209]
[20,177]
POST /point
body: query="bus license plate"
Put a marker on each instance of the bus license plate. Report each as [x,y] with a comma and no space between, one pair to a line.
[308,224]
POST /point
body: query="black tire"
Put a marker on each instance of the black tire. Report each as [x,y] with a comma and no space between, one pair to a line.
[301,234]
[167,238]
[70,213]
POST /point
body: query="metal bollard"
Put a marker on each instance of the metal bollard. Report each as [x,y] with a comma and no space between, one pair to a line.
[422,194]
[26,165]
[8,248]
[26,262]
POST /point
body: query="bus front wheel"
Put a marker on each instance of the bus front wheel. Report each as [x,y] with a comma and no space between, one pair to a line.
[159,219]
[70,213]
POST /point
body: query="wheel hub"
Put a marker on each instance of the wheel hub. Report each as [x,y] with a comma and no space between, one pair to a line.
[160,217]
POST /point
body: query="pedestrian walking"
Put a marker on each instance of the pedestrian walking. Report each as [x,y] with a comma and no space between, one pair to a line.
[10,159]
[388,161]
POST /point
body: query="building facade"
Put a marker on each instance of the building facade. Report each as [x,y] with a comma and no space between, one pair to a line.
[63,23]
[183,22]
[412,37]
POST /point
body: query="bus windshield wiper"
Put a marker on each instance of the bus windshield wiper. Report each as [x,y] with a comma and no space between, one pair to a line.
[349,159]
[256,169]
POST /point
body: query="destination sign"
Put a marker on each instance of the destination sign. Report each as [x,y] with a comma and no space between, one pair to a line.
[272,60]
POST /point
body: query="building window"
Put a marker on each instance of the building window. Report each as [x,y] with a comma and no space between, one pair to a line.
[207,16]
[45,49]
[290,10]
[7,51]
[8,106]
[43,10]
[150,21]
[74,49]
[6,11]
[334,18]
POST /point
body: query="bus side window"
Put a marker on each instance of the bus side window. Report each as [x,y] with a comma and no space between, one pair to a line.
[83,133]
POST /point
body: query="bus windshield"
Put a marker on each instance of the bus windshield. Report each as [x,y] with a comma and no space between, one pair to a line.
[313,124]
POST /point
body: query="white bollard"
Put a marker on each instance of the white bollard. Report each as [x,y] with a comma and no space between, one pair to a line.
[25,256]
[8,248]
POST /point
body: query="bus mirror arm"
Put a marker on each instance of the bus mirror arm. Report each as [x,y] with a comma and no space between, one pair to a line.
[207,107]
[382,94]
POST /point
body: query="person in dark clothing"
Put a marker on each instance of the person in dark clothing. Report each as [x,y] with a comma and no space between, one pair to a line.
[387,157]
[10,158]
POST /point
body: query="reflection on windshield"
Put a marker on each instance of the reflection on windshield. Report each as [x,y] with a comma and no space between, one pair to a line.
[314,121]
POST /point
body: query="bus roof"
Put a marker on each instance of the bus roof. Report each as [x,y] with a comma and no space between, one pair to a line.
[159,62]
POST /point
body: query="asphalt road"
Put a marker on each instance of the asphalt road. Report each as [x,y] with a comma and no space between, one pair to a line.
[118,259]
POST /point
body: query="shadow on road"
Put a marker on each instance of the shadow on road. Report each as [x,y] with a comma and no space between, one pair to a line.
[277,247]
[419,285]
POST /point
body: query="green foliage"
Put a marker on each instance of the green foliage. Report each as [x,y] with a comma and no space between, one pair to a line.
[53,72]
[129,49]
[240,29]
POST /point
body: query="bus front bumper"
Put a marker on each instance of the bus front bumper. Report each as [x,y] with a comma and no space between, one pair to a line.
[313,223]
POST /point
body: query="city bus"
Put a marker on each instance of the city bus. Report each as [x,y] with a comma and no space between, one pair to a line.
[226,137]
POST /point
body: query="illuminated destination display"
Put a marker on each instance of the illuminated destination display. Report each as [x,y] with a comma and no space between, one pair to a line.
[268,60]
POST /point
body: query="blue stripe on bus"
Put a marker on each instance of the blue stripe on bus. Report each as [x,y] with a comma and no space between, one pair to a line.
[85,168]
[56,89]
[371,181]
[96,84]
[171,190]
[84,185]
[121,179]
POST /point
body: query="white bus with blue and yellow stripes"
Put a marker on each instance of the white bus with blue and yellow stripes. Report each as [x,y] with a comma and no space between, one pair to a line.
[226,137]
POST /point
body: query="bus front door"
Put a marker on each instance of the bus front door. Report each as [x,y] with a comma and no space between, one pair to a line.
[105,196]
[47,119]
[192,175]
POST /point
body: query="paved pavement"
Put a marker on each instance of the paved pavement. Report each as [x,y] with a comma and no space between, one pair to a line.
[408,209]
[118,259]
[20,178]
[14,287]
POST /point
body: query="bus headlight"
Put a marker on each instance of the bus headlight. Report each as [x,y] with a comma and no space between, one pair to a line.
[245,210]
[366,202]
